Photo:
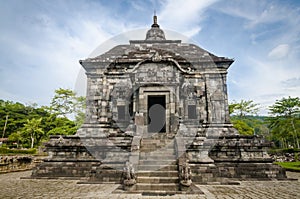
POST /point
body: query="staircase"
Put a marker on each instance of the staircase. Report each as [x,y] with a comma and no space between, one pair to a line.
[157,171]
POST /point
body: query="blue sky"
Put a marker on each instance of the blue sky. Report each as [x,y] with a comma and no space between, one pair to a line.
[42,41]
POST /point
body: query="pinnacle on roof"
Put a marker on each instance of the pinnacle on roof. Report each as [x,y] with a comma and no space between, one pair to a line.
[155,33]
[155,25]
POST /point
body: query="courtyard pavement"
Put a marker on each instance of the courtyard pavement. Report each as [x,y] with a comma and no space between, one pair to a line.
[11,186]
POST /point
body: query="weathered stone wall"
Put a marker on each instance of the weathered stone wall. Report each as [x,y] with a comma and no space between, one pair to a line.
[192,84]
[227,172]
[217,103]
[250,171]
[240,149]
[100,158]
[67,158]
[16,163]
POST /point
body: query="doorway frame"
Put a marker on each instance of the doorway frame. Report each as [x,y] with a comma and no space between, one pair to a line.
[143,103]
[163,97]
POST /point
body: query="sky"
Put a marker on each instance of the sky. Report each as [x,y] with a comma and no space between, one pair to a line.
[41,42]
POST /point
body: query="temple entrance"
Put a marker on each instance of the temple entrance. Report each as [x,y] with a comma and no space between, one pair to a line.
[156,113]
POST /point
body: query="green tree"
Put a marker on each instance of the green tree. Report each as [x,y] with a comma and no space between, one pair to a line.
[242,127]
[251,125]
[18,114]
[242,116]
[243,108]
[287,107]
[16,137]
[80,110]
[13,115]
[62,126]
[65,103]
[285,123]
[50,124]
[33,130]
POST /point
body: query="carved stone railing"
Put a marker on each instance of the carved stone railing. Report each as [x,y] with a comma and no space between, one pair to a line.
[16,163]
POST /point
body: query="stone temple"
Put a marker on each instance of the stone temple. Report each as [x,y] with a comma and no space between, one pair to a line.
[157,119]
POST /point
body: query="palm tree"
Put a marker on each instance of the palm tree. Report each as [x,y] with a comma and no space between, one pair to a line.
[33,130]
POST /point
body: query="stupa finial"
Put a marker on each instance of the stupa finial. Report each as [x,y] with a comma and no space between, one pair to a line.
[155,25]
[155,33]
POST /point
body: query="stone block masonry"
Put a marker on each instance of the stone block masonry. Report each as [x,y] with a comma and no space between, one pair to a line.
[157,120]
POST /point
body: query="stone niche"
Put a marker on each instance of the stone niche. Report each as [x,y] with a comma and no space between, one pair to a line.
[157,105]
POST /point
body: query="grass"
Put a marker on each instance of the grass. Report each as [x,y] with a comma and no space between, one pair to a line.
[290,166]
[5,151]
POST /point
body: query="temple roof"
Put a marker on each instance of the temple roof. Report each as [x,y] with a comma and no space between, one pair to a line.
[180,52]
[156,44]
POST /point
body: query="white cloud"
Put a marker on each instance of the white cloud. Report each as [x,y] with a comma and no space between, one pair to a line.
[41,47]
[45,56]
[292,82]
[184,15]
[266,82]
[265,20]
[255,12]
[138,5]
[279,52]
[267,67]
[240,9]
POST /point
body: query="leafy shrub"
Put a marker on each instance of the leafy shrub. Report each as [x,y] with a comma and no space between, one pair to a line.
[290,166]
[296,156]
[283,151]
[16,151]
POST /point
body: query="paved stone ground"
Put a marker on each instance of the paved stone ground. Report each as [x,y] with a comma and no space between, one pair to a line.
[11,186]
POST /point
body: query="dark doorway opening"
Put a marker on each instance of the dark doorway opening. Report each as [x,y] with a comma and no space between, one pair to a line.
[192,112]
[156,113]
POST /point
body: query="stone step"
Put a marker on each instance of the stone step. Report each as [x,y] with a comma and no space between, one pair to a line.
[157,149]
[157,139]
[154,146]
[156,193]
[157,146]
[161,138]
[113,166]
[157,167]
[158,162]
[157,170]
[151,141]
[168,157]
[151,145]
[158,156]
[141,173]
[160,186]
[158,153]
[152,153]
[115,159]
[156,142]
[151,180]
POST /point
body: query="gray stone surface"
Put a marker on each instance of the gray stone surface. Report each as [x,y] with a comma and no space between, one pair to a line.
[11,186]
[10,163]
[143,93]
